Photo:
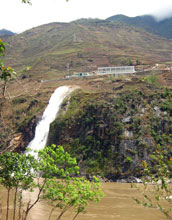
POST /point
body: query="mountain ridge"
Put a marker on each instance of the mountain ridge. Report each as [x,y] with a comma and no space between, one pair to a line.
[6,33]
[162,28]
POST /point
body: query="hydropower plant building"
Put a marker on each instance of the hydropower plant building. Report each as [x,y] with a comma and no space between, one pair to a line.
[116,70]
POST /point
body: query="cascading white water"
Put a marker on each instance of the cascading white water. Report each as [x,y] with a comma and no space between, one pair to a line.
[49,115]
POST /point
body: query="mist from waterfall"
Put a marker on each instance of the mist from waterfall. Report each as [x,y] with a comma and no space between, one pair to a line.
[49,115]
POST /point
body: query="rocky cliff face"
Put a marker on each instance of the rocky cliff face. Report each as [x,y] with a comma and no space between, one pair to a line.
[28,133]
[111,133]
[18,120]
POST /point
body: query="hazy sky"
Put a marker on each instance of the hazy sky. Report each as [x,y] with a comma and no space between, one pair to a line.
[18,17]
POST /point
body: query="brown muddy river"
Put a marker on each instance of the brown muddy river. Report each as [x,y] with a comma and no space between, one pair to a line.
[117,205]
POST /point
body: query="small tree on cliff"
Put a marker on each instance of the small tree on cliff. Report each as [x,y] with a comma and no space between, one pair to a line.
[5,72]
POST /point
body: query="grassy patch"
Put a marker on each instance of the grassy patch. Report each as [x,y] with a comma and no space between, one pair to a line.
[152,79]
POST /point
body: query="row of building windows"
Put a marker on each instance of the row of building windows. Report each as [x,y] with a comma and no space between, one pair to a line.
[116,70]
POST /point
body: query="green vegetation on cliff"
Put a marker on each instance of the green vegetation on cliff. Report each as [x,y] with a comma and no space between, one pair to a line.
[110,126]
[111,133]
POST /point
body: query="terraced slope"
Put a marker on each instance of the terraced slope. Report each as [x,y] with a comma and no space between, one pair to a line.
[85,45]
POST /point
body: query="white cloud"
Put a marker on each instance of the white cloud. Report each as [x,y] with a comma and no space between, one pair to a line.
[162,13]
[18,17]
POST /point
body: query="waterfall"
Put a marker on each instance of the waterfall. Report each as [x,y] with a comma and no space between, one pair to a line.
[49,115]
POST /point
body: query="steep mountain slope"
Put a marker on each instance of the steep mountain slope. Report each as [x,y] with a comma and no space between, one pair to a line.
[149,23]
[85,45]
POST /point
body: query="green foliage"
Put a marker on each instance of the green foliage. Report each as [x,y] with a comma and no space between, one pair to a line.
[152,79]
[167,106]
[5,72]
[13,169]
[71,192]
[54,160]
[129,160]
[130,62]
[32,103]
[17,172]
[166,93]
[20,172]
[2,48]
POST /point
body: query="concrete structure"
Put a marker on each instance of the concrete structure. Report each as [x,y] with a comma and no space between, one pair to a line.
[116,70]
[81,74]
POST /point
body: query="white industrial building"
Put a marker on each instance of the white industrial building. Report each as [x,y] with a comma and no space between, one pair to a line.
[116,70]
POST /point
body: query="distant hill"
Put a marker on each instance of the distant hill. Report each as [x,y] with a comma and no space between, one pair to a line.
[6,33]
[85,44]
[149,23]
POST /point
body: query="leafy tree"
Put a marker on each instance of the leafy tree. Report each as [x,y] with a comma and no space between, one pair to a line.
[157,190]
[71,192]
[16,173]
[5,72]
[52,161]
[63,191]
[50,173]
